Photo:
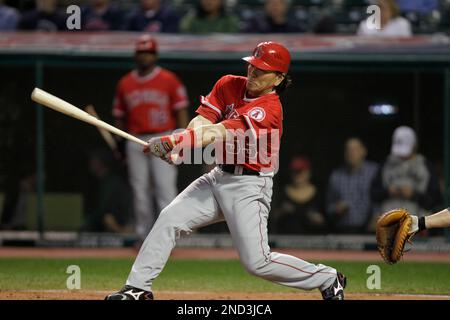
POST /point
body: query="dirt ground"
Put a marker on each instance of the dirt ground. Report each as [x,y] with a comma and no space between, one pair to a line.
[201,253]
[168,295]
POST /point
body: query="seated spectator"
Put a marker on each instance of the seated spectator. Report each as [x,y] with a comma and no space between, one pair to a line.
[423,6]
[325,24]
[9,17]
[152,16]
[100,15]
[209,17]
[274,19]
[297,210]
[348,203]
[46,17]
[107,202]
[406,179]
[391,23]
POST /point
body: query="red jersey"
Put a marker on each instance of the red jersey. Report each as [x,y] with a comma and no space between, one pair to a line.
[148,103]
[261,118]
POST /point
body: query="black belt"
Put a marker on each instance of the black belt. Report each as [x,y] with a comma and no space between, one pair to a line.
[239,170]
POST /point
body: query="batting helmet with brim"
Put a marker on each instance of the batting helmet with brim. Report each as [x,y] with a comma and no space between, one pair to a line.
[270,56]
[146,43]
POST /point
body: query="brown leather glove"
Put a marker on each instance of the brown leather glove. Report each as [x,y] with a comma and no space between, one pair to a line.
[392,231]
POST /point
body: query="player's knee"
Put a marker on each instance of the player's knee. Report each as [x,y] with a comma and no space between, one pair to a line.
[170,218]
[256,268]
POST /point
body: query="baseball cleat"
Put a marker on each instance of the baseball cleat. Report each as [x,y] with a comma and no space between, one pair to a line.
[130,293]
[336,291]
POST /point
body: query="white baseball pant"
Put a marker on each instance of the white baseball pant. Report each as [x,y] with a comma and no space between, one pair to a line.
[244,202]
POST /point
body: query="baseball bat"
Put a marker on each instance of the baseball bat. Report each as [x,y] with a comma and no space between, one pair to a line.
[57,104]
[107,136]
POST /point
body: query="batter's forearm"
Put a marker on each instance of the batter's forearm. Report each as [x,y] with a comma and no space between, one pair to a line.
[199,133]
[205,132]
[199,137]
[208,134]
[198,121]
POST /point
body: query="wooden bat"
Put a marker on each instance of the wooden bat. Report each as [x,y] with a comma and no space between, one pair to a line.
[55,103]
[105,133]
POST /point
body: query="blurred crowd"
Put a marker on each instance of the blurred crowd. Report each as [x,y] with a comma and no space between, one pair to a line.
[349,203]
[358,191]
[398,17]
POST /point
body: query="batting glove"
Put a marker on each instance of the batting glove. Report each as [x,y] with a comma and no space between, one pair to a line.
[159,146]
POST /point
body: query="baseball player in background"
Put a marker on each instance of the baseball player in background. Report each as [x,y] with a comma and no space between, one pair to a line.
[150,101]
[237,192]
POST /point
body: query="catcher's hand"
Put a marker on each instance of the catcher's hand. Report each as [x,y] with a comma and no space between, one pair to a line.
[393,229]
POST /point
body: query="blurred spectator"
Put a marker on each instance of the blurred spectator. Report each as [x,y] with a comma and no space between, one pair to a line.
[274,19]
[406,179]
[107,202]
[209,17]
[46,17]
[423,6]
[325,24]
[392,24]
[150,101]
[100,15]
[152,16]
[349,205]
[297,210]
[9,17]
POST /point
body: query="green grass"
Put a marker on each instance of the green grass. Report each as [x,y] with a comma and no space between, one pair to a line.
[215,276]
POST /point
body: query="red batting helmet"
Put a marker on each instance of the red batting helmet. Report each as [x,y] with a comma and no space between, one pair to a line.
[146,43]
[270,56]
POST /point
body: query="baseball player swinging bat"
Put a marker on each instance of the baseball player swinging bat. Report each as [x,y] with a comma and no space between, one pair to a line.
[46,99]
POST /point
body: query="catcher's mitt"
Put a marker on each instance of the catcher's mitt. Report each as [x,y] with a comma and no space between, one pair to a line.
[393,230]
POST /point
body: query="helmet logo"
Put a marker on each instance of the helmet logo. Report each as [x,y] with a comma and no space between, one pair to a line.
[257,114]
[258,52]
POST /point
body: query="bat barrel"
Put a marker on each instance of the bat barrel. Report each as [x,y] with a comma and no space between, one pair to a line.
[46,99]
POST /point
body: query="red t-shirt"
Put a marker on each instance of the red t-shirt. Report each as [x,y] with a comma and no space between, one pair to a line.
[148,103]
[260,118]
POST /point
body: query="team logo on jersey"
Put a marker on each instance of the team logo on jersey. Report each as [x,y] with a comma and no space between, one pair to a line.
[230,112]
[257,114]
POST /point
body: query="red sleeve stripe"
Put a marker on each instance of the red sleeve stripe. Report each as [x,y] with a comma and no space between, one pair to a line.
[206,103]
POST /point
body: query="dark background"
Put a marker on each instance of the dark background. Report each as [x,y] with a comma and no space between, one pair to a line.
[321,110]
